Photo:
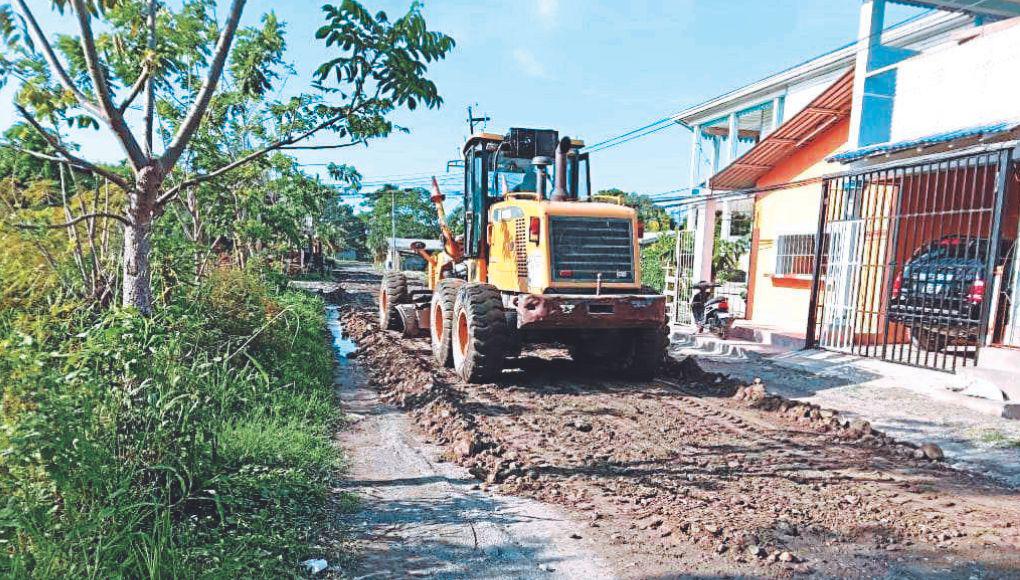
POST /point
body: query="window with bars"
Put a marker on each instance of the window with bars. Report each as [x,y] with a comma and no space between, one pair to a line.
[795,255]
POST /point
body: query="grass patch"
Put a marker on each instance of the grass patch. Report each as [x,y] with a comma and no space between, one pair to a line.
[193,443]
[999,439]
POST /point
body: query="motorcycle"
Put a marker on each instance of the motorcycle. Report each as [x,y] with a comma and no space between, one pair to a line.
[711,312]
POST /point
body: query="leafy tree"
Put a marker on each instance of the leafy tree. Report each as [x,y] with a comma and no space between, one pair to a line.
[343,229]
[415,217]
[654,217]
[655,257]
[726,256]
[20,167]
[189,71]
[455,219]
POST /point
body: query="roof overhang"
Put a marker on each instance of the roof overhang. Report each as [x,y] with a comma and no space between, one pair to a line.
[946,140]
[993,8]
[821,114]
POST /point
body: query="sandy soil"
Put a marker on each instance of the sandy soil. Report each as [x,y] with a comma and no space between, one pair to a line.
[694,474]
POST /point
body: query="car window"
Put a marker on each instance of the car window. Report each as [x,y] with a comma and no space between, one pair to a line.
[954,248]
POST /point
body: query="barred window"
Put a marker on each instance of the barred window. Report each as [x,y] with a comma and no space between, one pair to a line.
[795,255]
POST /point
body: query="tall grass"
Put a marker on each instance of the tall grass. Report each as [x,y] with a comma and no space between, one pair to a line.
[193,443]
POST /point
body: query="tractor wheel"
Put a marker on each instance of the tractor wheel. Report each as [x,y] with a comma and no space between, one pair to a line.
[480,333]
[392,291]
[647,353]
[441,319]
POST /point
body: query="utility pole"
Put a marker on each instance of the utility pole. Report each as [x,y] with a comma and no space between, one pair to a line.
[393,227]
[472,119]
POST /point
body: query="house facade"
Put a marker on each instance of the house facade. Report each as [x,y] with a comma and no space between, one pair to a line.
[782,177]
[727,126]
[916,241]
[884,188]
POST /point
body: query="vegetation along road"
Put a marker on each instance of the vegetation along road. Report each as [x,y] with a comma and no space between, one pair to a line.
[692,472]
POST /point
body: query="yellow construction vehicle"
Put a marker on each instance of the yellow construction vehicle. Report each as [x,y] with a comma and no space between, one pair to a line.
[539,262]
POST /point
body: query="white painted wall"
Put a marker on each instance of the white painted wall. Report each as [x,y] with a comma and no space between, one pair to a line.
[798,95]
[955,86]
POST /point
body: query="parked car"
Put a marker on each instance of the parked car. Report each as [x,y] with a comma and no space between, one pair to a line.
[941,290]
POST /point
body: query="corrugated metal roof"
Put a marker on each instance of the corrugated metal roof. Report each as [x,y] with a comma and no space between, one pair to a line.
[982,131]
[828,108]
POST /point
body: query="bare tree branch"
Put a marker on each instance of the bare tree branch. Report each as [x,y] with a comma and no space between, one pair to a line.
[194,117]
[170,193]
[54,63]
[110,112]
[136,89]
[76,220]
[150,94]
[334,146]
[73,159]
[72,233]
[44,156]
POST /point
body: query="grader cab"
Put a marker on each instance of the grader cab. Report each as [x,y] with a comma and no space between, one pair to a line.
[539,262]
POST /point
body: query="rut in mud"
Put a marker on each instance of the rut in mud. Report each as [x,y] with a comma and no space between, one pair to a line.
[694,472]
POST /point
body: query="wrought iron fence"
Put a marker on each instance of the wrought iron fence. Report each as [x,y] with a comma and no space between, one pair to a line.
[912,254]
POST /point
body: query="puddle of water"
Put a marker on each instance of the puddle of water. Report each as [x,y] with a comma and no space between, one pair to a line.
[342,346]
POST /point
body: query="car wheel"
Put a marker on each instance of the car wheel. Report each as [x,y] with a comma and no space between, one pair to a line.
[929,340]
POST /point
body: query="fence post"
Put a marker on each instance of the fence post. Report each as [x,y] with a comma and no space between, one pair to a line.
[810,340]
[1001,183]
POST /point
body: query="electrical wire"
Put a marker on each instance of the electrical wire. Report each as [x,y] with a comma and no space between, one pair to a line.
[670,121]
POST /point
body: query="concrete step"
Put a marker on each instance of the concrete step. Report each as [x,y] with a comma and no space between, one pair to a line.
[781,340]
[685,340]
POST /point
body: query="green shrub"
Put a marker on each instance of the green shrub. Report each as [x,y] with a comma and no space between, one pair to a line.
[655,257]
[193,443]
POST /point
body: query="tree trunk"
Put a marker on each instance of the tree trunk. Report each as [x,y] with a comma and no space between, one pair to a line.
[137,239]
[137,282]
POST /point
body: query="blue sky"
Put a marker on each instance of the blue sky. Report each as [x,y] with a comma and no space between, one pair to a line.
[591,69]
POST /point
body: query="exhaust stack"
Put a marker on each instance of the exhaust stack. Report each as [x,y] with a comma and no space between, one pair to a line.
[540,163]
[560,187]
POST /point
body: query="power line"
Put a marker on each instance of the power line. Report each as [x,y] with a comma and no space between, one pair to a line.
[669,121]
[638,136]
[631,132]
[444,179]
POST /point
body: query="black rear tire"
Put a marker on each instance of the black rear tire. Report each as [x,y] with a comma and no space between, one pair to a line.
[929,340]
[647,353]
[392,291]
[441,319]
[606,349]
[480,335]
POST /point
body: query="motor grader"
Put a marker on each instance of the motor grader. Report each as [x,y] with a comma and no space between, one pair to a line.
[540,261]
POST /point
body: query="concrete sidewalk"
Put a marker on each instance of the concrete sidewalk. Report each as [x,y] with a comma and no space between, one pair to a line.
[912,404]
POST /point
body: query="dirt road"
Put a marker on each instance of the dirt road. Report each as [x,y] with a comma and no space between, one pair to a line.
[422,517]
[691,474]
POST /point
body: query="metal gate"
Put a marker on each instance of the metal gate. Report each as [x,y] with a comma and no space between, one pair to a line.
[680,280]
[906,260]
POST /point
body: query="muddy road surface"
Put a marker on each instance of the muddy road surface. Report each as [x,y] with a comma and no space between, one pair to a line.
[691,475]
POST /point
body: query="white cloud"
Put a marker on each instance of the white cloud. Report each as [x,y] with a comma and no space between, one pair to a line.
[529,64]
[547,9]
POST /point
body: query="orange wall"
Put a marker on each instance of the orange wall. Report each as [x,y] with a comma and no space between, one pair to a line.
[783,302]
[809,160]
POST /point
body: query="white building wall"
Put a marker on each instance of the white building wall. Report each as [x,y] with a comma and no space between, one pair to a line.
[800,94]
[956,86]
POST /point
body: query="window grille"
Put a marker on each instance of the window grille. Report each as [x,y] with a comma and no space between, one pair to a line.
[795,255]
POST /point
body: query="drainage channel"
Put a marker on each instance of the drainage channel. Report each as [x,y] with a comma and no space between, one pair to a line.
[342,345]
